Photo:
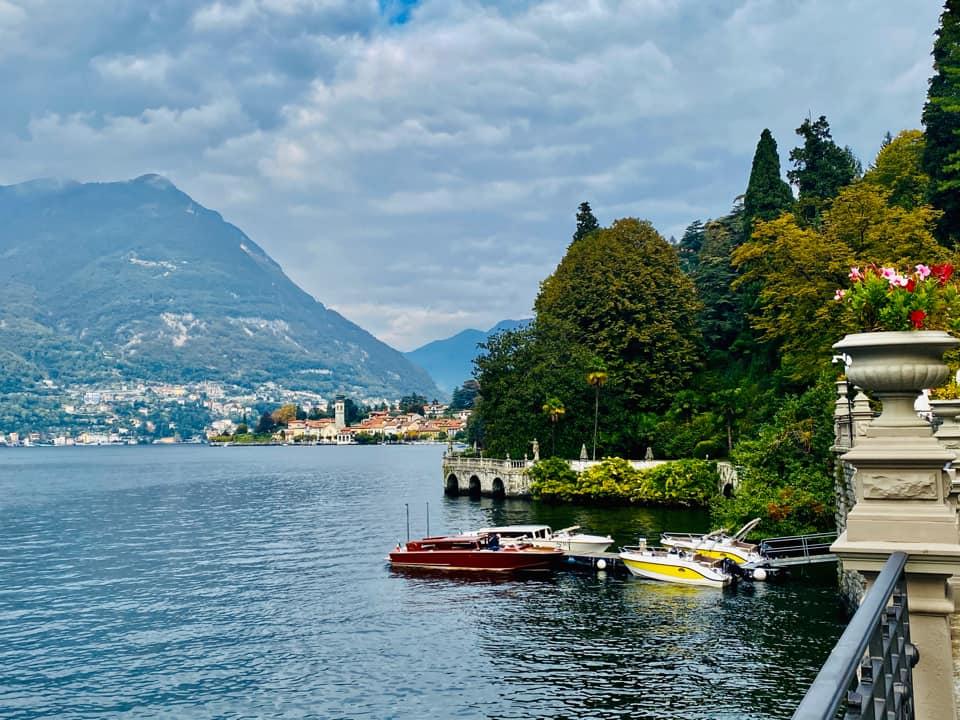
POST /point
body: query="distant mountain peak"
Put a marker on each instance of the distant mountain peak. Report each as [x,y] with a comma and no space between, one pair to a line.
[154,180]
[139,272]
[450,361]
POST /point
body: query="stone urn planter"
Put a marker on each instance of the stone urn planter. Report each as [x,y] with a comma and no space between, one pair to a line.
[895,367]
[899,464]
[947,411]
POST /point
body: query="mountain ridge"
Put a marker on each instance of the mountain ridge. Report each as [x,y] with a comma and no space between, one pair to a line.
[135,279]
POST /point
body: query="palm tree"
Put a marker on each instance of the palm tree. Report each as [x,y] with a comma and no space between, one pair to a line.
[596,378]
[554,409]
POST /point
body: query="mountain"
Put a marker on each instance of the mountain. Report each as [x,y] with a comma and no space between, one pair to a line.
[136,280]
[450,361]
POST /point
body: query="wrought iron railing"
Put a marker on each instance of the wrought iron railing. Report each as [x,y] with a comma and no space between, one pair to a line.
[869,672]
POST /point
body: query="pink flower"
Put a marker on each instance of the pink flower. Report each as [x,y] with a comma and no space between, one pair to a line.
[839,296]
[898,280]
[888,274]
[923,272]
[855,274]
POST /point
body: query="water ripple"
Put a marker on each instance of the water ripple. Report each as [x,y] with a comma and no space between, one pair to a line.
[251,583]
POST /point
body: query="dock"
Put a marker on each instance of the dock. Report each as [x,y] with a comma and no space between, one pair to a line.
[779,553]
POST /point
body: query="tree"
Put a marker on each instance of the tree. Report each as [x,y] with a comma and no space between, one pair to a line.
[266,424]
[596,378]
[721,318]
[465,395]
[620,295]
[689,247]
[799,268]
[586,222]
[413,403]
[767,195]
[283,415]
[820,169]
[941,121]
[554,409]
[899,168]
[515,370]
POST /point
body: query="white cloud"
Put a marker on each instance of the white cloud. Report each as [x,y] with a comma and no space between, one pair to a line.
[224,17]
[427,175]
[152,69]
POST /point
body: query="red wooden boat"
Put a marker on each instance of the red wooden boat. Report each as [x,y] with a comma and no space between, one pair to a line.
[474,552]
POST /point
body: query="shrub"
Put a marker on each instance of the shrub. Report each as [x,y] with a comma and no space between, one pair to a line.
[681,483]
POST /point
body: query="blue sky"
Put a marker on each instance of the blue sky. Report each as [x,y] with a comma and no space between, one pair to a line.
[418,165]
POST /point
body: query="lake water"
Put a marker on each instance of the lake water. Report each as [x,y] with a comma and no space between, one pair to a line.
[196,582]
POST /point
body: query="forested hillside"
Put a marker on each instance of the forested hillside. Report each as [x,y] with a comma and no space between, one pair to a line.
[720,344]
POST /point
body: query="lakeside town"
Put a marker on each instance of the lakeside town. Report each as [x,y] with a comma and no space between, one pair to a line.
[169,413]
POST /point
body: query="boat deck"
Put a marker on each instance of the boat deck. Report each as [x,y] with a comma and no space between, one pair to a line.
[782,552]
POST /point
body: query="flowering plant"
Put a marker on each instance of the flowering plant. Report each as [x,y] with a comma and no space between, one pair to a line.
[883,298]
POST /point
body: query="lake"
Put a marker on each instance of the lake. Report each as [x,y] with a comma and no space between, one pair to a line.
[199,582]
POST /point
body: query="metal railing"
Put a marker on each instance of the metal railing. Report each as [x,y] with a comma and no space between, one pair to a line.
[875,653]
[798,545]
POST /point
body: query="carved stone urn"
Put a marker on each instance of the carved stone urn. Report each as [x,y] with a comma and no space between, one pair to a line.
[903,498]
[895,367]
[947,411]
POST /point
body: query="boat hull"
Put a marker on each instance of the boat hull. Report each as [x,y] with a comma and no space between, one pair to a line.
[673,568]
[505,560]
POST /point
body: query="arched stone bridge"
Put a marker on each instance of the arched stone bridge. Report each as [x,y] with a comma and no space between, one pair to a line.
[485,476]
[493,477]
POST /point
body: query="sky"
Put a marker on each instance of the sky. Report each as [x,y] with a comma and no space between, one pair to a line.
[417,165]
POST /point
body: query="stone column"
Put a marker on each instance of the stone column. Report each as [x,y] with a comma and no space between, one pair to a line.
[902,499]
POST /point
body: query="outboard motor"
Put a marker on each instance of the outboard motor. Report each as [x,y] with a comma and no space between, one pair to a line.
[731,568]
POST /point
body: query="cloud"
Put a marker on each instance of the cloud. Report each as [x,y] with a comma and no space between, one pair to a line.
[151,69]
[423,172]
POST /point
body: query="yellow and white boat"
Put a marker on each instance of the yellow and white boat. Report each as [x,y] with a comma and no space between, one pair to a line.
[676,566]
[718,544]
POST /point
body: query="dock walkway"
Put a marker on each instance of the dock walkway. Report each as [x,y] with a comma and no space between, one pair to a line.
[780,552]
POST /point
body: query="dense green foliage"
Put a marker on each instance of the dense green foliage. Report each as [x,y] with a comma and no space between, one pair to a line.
[941,120]
[785,472]
[681,483]
[621,294]
[617,300]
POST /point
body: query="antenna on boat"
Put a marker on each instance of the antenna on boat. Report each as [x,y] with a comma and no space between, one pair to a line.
[407,507]
[428,518]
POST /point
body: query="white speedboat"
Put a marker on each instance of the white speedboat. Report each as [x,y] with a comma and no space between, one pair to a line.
[676,566]
[567,539]
[718,544]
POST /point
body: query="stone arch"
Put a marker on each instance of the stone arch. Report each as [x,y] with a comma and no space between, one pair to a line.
[474,486]
[499,490]
[452,486]
[727,489]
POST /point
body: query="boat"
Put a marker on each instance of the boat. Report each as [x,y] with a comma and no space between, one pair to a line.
[474,552]
[677,566]
[567,539]
[718,544]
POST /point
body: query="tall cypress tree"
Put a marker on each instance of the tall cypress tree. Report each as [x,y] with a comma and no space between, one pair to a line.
[586,222]
[767,194]
[941,122]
